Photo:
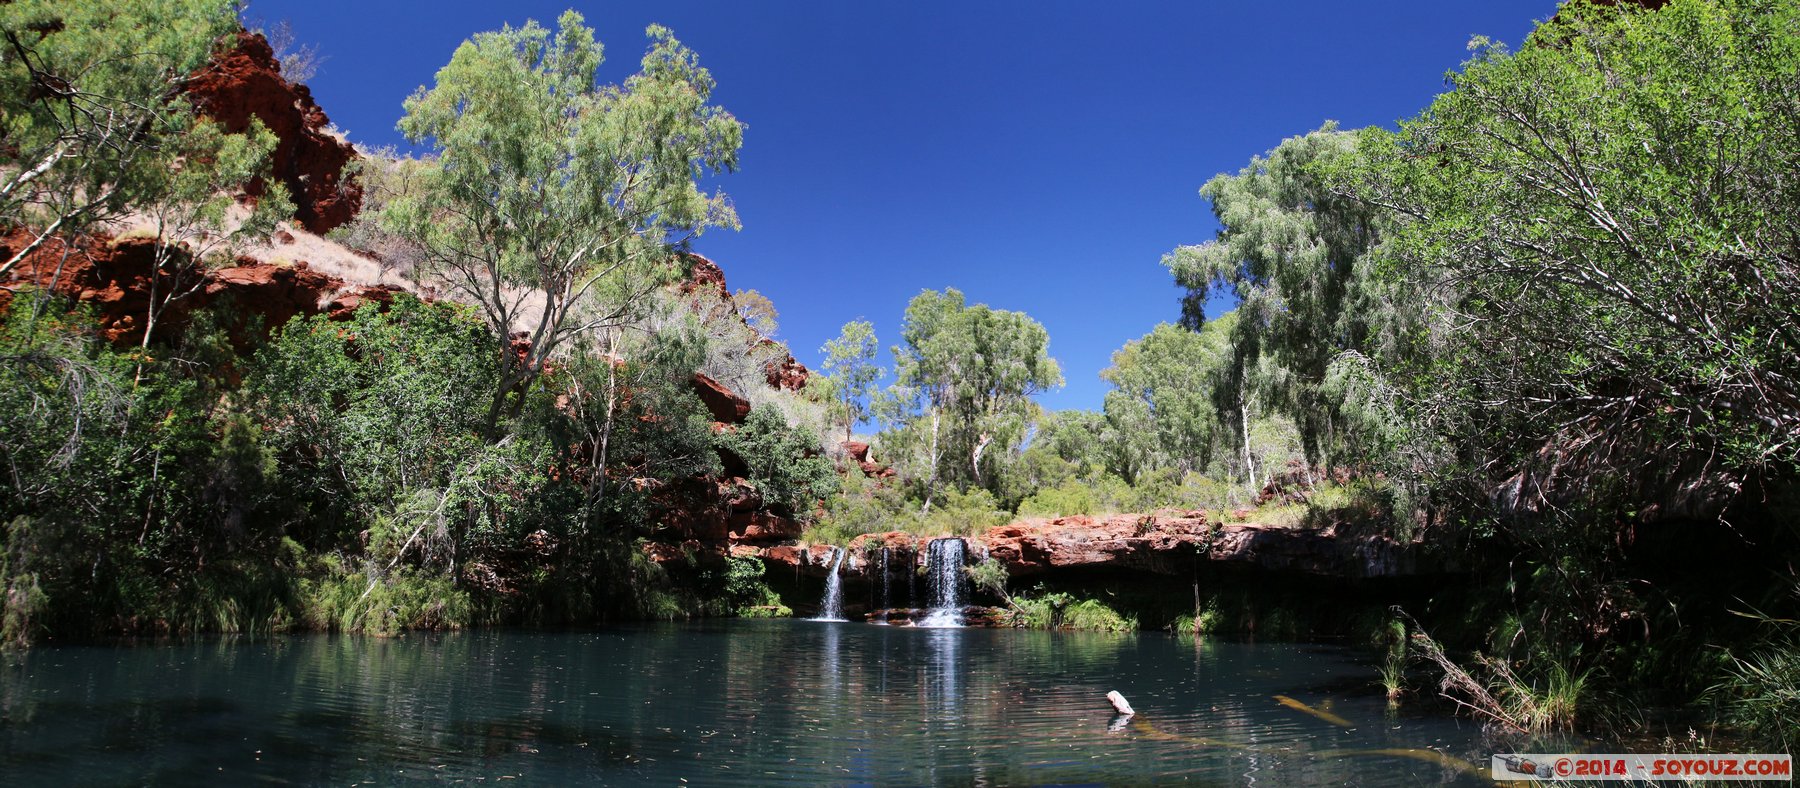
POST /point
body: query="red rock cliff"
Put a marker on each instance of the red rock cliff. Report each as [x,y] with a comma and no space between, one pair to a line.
[703,274]
[245,82]
[113,278]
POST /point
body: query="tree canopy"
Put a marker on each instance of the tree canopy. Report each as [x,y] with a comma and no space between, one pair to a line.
[554,202]
[851,371]
[93,123]
[965,378]
[1607,218]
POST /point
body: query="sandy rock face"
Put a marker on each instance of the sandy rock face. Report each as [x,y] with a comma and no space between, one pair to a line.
[245,82]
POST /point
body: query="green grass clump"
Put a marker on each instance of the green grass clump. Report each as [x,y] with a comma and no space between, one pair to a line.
[1061,610]
[344,601]
[1094,615]
[1760,695]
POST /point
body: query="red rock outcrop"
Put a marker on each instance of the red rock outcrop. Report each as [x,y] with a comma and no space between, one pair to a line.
[724,404]
[245,82]
[893,540]
[1168,543]
[705,276]
[764,527]
[113,277]
[859,454]
[786,372]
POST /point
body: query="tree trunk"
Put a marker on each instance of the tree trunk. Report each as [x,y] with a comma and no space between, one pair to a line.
[981,445]
[1249,464]
[598,493]
[931,480]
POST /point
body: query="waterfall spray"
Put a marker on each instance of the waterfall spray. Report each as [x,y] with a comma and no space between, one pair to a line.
[944,571]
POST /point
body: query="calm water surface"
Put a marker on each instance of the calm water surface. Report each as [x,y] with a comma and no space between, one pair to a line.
[739,702]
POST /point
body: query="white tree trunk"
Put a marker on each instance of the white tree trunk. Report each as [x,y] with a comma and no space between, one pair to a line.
[1249,464]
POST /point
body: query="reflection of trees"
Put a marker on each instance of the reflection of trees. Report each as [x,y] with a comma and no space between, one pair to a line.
[709,702]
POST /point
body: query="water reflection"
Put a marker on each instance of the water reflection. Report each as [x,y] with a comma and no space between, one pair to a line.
[723,702]
[942,694]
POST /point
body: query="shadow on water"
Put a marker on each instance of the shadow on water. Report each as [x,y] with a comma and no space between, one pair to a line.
[744,702]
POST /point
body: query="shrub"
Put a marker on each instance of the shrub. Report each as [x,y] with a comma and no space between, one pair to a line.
[1092,614]
[783,461]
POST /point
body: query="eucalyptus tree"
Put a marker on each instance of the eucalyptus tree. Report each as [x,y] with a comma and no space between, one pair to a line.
[851,369]
[1161,405]
[973,370]
[93,123]
[193,221]
[553,202]
[757,312]
[1611,213]
[1296,254]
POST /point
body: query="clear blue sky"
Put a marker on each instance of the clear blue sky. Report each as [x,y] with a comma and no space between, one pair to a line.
[1039,156]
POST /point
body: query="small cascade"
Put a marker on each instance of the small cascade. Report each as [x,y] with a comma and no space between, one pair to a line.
[832,607]
[912,578]
[887,601]
[944,571]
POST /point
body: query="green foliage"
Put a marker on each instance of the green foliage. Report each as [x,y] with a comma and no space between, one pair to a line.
[990,575]
[1041,611]
[850,367]
[1393,642]
[868,507]
[1185,625]
[404,468]
[23,599]
[1607,211]
[1095,615]
[862,506]
[1107,495]
[1161,407]
[965,378]
[962,514]
[546,181]
[635,418]
[368,412]
[782,461]
[747,594]
[342,600]
[1161,489]
[1295,253]
[1062,610]
[1760,690]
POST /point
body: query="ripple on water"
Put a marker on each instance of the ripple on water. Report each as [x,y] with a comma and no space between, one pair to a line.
[747,702]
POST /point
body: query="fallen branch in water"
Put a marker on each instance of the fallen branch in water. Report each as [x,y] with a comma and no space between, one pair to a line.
[1474,695]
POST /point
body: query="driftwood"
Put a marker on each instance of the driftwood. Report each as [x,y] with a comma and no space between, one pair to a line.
[1457,685]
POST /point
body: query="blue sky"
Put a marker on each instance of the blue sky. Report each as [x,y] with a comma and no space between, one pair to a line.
[1037,156]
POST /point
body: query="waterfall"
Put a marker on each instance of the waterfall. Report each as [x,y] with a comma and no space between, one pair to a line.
[944,571]
[912,578]
[832,607]
[886,601]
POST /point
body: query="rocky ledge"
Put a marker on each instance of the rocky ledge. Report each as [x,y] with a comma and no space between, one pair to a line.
[1165,543]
